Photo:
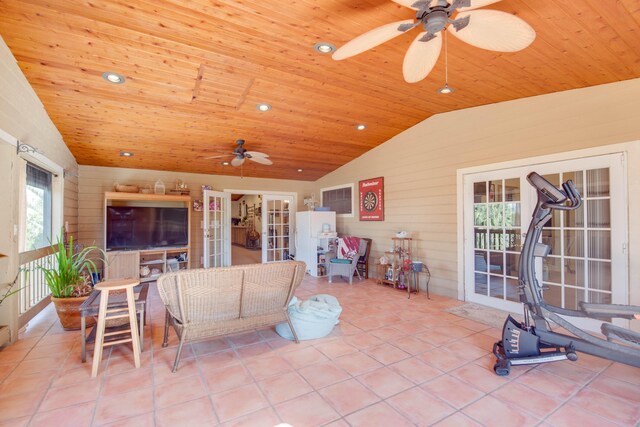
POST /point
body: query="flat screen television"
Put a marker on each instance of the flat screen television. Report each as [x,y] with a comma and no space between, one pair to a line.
[142,227]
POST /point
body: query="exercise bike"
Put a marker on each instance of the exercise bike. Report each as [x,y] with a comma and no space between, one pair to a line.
[533,341]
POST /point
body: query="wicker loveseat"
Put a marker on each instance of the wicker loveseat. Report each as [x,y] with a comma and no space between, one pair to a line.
[205,303]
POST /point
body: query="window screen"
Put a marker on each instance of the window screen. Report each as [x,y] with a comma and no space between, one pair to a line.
[38,208]
[339,200]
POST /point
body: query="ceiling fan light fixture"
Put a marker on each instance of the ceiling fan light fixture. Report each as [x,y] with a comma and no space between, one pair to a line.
[126,154]
[361,126]
[112,77]
[446,89]
[263,106]
[324,48]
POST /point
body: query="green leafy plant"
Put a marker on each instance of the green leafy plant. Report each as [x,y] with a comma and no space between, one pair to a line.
[69,275]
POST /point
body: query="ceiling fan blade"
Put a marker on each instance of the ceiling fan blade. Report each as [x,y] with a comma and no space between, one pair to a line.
[421,57]
[256,154]
[475,4]
[369,40]
[261,160]
[218,156]
[406,3]
[237,162]
[494,30]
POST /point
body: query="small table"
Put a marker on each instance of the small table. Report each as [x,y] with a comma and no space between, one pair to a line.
[91,306]
[416,279]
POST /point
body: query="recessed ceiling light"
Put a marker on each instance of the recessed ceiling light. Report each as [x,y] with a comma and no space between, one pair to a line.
[263,106]
[324,47]
[112,77]
[225,163]
[299,170]
[361,126]
[126,154]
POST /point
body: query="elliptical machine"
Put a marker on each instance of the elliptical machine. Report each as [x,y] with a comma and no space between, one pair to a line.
[533,341]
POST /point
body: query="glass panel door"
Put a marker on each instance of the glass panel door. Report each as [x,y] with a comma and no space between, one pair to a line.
[216,227]
[276,227]
[588,260]
[579,266]
[496,237]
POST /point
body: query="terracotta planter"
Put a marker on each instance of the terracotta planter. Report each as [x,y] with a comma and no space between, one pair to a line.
[68,310]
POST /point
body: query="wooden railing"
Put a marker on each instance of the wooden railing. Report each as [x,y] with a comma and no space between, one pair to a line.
[33,287]
[496,239]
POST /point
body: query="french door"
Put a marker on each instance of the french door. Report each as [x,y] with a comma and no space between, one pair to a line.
[588,260]
[216,228]
[277,216]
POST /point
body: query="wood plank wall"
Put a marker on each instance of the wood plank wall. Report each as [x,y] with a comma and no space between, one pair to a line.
[420,165]
[23,116]
[95,181]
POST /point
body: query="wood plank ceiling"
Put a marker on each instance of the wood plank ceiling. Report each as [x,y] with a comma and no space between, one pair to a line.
[196,69]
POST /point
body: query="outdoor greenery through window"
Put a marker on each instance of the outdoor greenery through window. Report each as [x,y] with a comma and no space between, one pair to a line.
[38,210]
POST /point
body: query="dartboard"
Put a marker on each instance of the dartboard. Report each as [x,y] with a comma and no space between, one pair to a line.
[370,201]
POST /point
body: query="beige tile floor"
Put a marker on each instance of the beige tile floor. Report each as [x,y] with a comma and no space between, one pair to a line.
[390,362]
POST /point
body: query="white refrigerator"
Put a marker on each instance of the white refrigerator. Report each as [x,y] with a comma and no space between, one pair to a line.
[313,241]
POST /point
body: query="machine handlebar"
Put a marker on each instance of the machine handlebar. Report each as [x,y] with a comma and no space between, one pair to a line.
[554,198]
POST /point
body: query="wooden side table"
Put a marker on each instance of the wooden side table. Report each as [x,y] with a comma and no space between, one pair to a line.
[91,306]
[381,270]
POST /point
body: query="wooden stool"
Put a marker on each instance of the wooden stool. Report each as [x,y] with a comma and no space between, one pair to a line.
[115,313]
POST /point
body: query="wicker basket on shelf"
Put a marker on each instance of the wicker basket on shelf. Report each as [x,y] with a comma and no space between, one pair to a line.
[122,188]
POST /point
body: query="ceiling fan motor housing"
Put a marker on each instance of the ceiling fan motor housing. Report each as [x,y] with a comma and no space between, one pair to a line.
[436,21]
[239,150]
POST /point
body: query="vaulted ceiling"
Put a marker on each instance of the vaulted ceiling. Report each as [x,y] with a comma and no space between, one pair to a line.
[196,69]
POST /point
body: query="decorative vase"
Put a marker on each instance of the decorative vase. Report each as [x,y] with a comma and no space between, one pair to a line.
[68,310]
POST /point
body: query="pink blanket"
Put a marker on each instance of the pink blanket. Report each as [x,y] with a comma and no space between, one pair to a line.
[348,247]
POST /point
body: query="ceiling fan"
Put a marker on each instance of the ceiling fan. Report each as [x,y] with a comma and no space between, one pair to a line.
[240,153]
[486,29]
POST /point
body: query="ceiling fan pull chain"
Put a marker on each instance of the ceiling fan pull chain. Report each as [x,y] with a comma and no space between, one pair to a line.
[446,59]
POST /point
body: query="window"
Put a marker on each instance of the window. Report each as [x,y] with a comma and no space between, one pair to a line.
[338,199]
[41,203]
[38,209]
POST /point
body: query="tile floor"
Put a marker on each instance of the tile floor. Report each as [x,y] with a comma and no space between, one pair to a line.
[390,362]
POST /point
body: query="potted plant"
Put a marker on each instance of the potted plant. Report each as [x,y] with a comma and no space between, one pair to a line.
[69,280]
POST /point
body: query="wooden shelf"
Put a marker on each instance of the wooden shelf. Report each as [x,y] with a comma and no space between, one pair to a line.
[398,257]
[115,195]
[152,262]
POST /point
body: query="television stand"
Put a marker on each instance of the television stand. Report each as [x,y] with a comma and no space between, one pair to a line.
[123,264]
[145,265]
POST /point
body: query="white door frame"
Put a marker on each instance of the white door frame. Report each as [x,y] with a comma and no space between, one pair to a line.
[630,150]
[293,208]
[266,198]
[224,228]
